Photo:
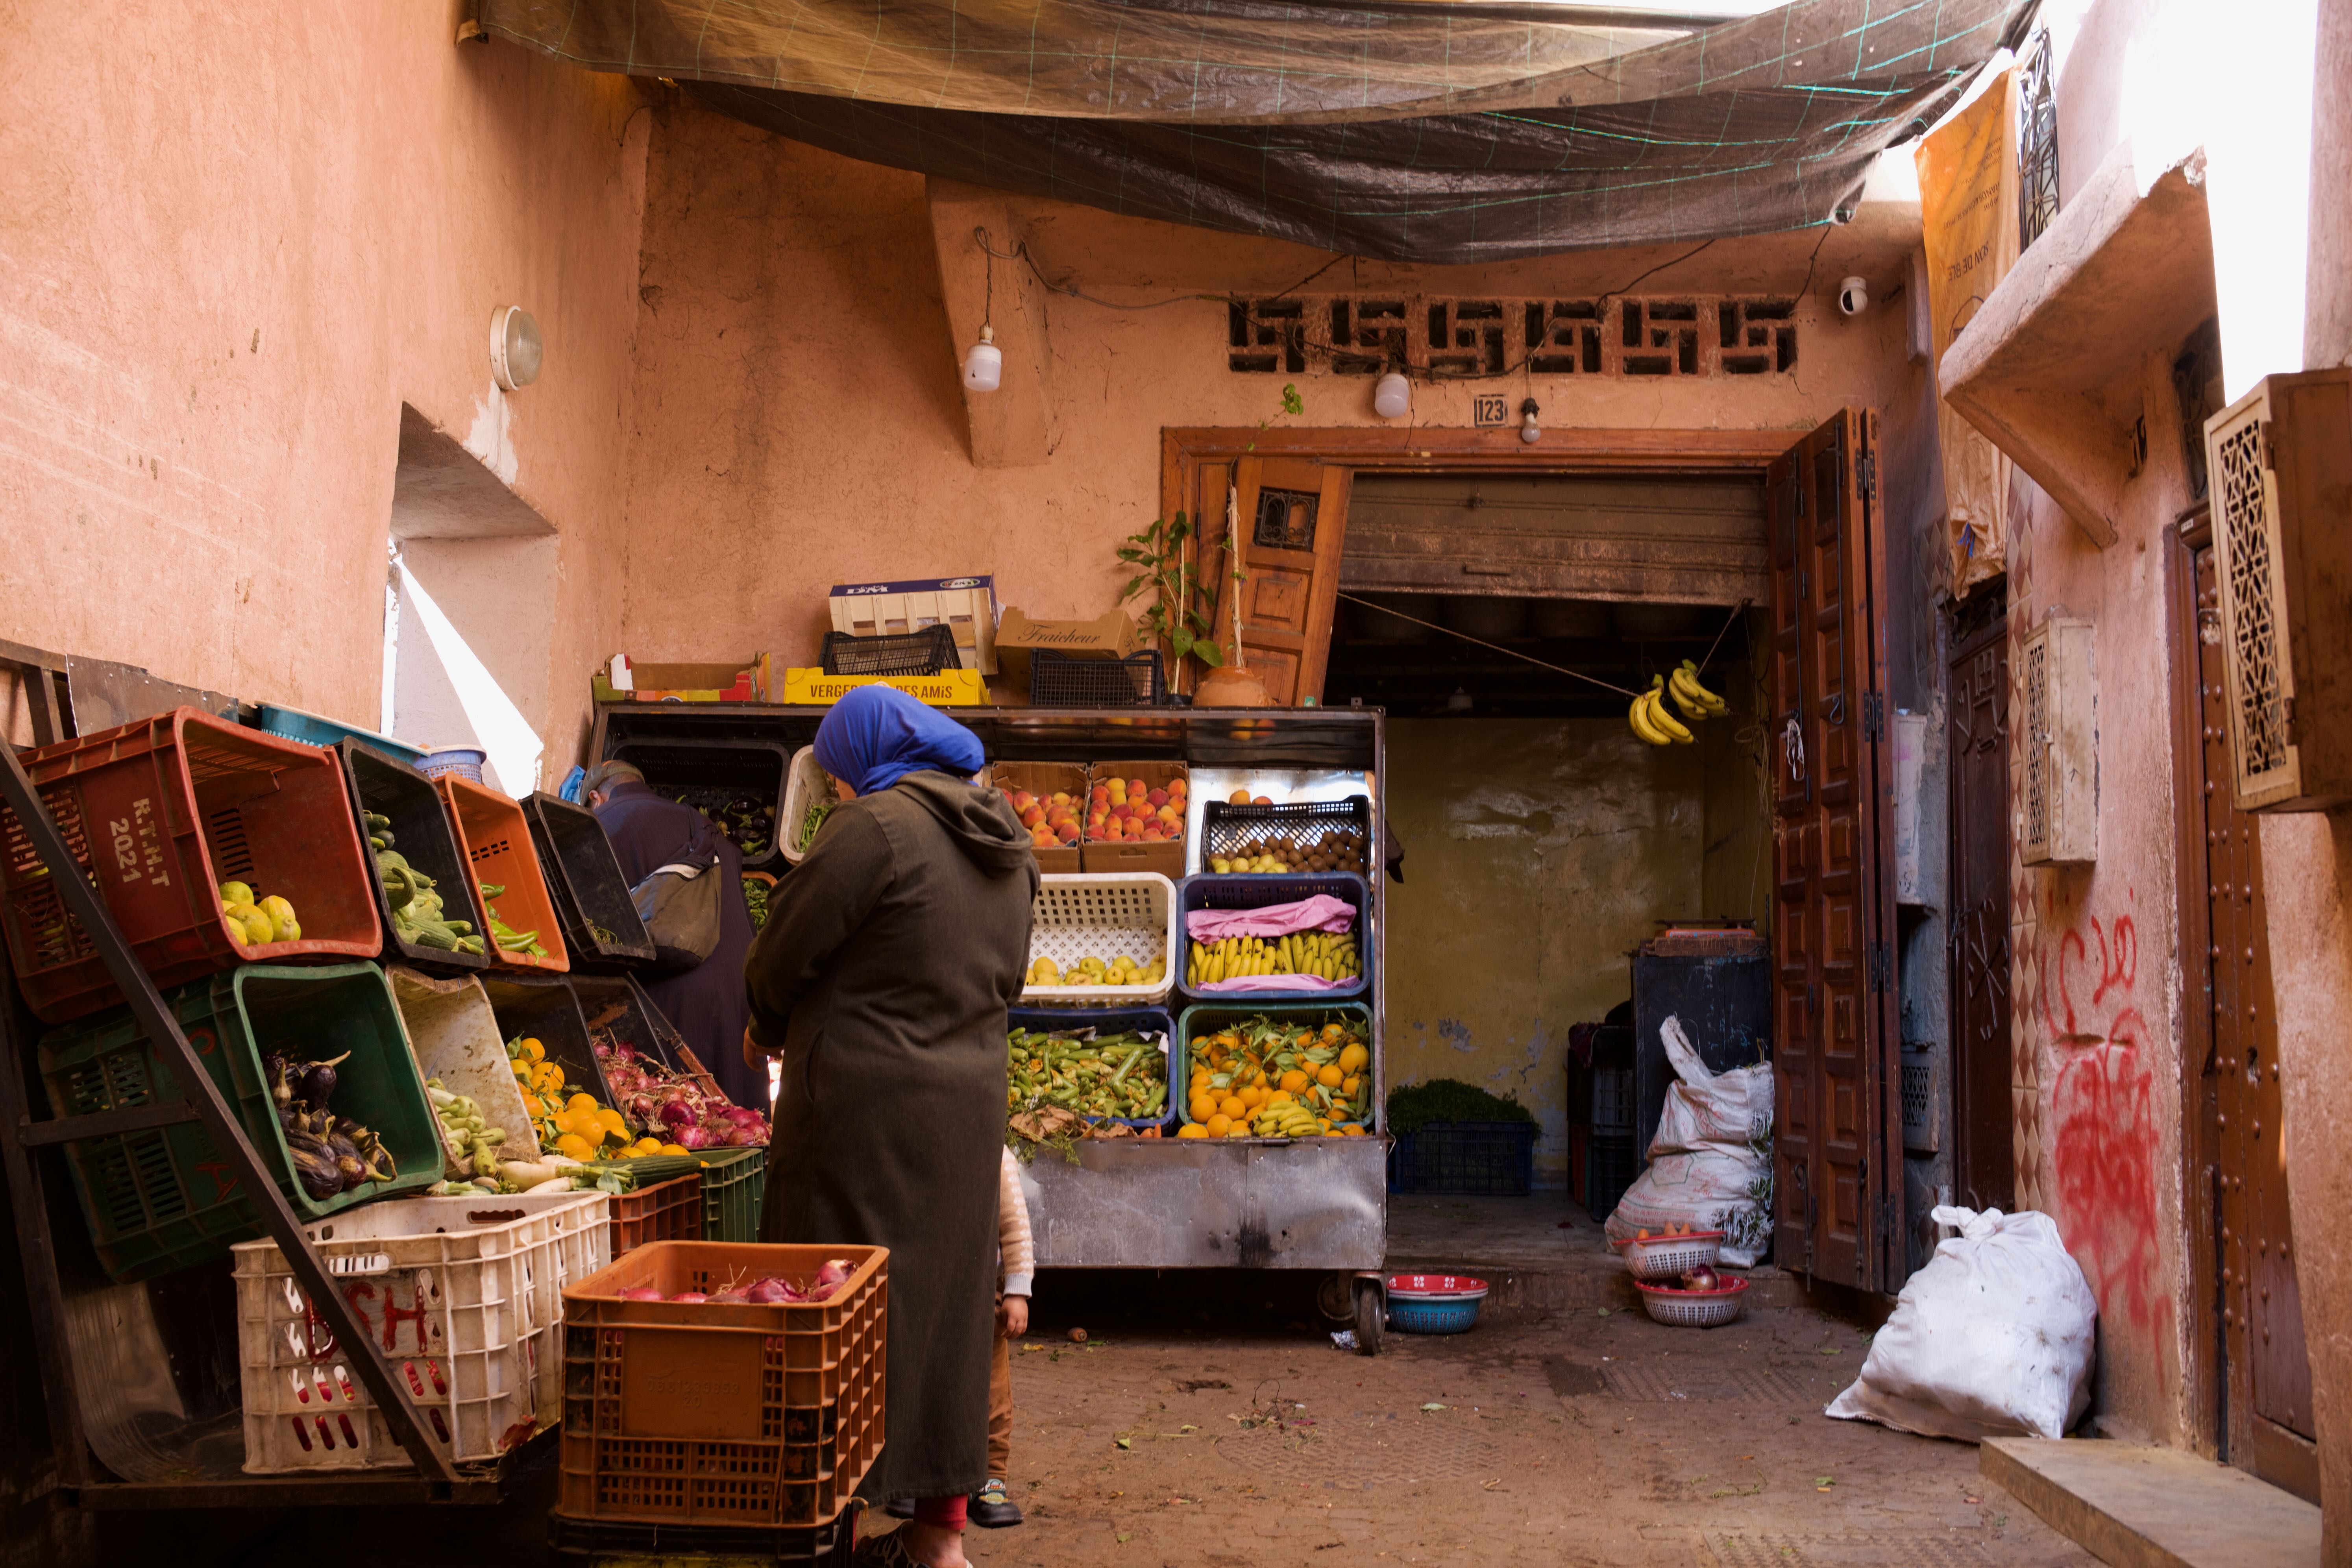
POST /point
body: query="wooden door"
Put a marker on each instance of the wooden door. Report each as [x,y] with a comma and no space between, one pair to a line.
[1293,520]
[1984,1154]
[2265,1372]
[1837,1143]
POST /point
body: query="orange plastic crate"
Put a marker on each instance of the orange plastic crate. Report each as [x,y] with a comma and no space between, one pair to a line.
[161,812]
[676,1412]
[666,1210]
[495,838]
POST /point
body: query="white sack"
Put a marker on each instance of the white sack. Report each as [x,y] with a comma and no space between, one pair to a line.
[1711,1162]
[1992,1339]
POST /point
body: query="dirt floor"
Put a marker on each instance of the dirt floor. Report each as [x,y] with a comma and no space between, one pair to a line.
[1595,1436]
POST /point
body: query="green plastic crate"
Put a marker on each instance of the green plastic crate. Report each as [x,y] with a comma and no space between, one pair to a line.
[734,1186]
[161,1199]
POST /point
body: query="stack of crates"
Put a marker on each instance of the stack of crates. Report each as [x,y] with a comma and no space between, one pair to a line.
[1603,1157]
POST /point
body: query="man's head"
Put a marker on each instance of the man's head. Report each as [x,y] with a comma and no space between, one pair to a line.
[597,787]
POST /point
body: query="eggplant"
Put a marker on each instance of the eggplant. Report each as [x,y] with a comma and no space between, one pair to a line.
[316,1082]
[315,1168]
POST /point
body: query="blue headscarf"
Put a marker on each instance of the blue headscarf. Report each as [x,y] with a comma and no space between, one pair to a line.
[878,735]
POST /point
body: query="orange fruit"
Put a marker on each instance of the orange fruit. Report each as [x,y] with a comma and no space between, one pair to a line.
[1238,1129]
[1191,1130]
[1201,1108]
[1253,1097]
[1294,1080]
[1329,1077]
[1216,1126]
[1232,1105]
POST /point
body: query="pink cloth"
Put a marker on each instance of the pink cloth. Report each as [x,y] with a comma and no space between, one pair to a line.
[1273,983]
[1321,912]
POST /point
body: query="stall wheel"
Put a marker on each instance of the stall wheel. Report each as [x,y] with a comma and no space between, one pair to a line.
[1371,1316]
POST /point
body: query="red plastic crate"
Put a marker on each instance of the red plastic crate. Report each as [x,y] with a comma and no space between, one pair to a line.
[666,1210]
[173,806]
[676,1413]
[496,836]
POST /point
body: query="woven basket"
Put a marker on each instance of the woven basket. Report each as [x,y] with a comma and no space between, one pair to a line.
[1694,1308]
[1667,1258]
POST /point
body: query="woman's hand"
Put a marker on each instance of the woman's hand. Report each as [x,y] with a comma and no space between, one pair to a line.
[1012,1317]
[753,1056]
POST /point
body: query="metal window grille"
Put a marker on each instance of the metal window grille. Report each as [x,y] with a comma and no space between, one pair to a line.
[2037,143]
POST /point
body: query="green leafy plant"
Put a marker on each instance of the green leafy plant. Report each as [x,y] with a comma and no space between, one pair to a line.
[1413,1106]
[1180,608]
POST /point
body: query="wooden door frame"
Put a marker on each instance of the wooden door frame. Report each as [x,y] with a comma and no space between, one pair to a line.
[2201,1371]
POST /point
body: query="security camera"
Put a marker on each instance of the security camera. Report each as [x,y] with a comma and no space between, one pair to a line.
[1854,296]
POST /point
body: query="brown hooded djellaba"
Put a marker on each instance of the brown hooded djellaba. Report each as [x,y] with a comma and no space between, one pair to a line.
[882,976]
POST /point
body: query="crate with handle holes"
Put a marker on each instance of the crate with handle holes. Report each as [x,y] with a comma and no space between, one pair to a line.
[752,1411]
[926,652]
[593,903]
[1105,916]
[464,1295]
[422,878]
[504,864]
[162,813]
[1074,681]
[1297,836]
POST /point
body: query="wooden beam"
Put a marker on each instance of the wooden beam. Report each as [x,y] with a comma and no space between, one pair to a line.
[1013,427]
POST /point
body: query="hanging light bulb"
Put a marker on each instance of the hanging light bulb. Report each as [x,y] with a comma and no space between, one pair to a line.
[1529,431]
[1391,396]
[983,363]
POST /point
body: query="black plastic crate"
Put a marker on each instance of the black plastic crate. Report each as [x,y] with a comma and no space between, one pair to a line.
[1298,826]
[1068,680]
[1610,1163]
[543,1007]
[601,928]
[423,836]
[719,778]
[1470,1159]
[827,1545]
[929,651]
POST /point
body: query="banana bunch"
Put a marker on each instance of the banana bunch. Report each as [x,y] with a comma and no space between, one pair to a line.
[1303,953]
[1648,715]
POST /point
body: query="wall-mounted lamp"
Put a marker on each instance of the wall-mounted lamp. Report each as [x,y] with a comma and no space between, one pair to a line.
[516,350]
[1391,396]
[983,363]
[1529,431]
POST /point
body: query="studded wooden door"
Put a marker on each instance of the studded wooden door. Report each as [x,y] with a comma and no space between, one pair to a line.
[1984,1156]
[1837,1143]
[2266,1373]
[1292,517]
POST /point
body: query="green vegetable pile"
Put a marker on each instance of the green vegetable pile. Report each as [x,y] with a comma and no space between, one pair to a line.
[414,902]
[811,820]
[749,821]
[755,899]
[1122,1076]
[508,939]
[469,1143]
[1413,1106]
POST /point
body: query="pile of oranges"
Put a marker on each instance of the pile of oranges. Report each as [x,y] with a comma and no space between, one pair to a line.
[581,1127]
[1266,1079]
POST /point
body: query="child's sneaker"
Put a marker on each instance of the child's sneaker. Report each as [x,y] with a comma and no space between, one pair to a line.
[991,1508]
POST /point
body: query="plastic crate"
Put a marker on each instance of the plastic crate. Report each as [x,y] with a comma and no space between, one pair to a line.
[1112,1021]
[1612,1100]
[1208,1017]
[677,1413]
[1165,855]
[423,834]
[463,1296]
[734,1190]
[453,1036]
[316,729]
[665,1211]
[457,762]
[161,1199]
[1103,915]
[492,831]
[1484,1159]
[707,774]
[1248,892]
[925,652]
[1299,826]
[544,1009]
[827,1545]
[806,782]
[584,878]
[173,806]
[1073,680]
[1611,1162]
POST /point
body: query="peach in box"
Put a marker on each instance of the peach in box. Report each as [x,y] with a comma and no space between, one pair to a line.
[1049,798]
[1135,818]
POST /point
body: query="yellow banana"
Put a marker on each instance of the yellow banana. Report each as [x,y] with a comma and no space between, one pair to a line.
[1713,703]
[1638,716]
[1693,709]
[1666,723]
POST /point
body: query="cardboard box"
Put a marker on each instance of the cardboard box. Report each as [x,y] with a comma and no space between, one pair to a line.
[965,606]
[948,689]
[1043,780]
[1114,636]
[1165,856]
[626,681]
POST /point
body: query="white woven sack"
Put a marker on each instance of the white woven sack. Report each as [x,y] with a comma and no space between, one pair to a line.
[1992,1339]
[1711,1162]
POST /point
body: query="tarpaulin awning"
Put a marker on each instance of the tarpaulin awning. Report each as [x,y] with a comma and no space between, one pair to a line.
[1418,133]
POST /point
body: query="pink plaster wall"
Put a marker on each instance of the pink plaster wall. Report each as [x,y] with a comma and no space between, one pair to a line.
[237,238]
[798,421]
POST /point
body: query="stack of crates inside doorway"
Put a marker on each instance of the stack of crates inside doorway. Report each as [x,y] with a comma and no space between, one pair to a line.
[1603,1155]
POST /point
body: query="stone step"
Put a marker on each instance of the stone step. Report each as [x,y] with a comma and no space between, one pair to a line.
[2138,1507]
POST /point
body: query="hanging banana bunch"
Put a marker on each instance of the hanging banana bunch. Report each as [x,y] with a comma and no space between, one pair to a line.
[1696,701]
[1648,715]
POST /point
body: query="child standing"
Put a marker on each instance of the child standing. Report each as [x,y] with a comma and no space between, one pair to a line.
[1016,1262]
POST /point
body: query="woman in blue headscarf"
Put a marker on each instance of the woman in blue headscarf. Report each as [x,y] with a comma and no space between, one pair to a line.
[881,979]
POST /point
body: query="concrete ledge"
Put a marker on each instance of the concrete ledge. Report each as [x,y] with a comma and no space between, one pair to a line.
[2153,1508]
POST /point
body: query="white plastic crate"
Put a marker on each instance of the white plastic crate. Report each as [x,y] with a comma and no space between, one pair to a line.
[1103,914]
[806,782]
[464,1295]
[965,606]
[454,1037]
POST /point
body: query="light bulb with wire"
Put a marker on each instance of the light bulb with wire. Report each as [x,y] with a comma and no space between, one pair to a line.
[983,363]
[1393,396]
[1529,431]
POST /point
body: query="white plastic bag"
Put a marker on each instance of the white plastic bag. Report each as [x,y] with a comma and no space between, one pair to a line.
[1992,1339]
[1711,1162]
